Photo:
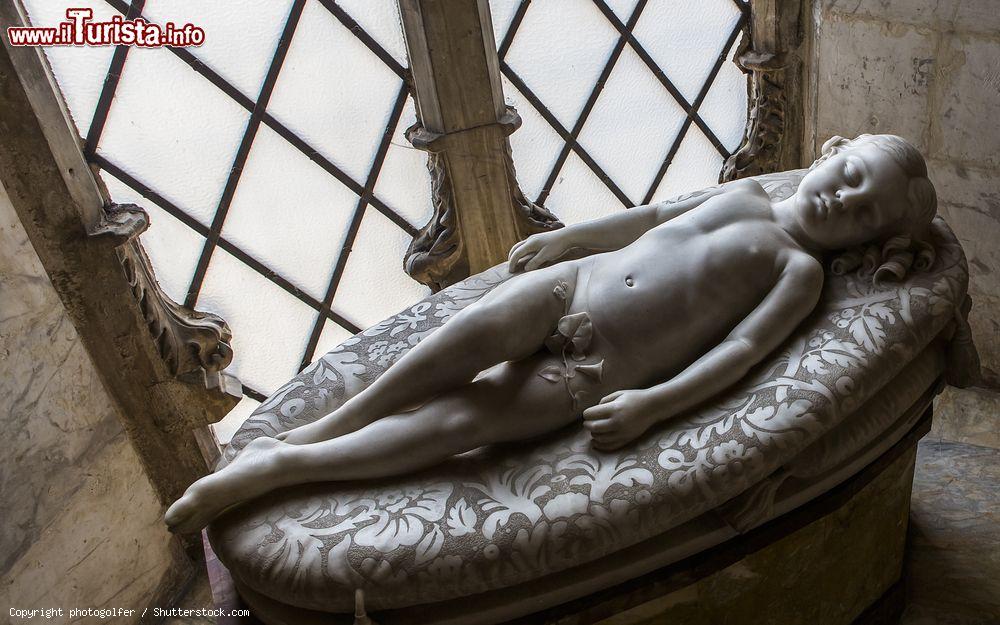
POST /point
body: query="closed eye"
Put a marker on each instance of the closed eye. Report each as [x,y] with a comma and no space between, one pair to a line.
[851,174]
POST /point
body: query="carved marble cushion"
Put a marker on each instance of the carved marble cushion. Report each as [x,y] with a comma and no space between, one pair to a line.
[510,514]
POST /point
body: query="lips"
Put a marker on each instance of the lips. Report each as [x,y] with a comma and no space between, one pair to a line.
[822,207]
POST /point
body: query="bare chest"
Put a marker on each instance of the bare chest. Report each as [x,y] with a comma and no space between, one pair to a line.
[677,292]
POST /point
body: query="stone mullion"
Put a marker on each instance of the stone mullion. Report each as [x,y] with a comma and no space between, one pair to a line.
[463,123]
[772,54]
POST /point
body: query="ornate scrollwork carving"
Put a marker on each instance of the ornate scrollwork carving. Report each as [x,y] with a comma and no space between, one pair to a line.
[760,151]
[771,52]
[189,341]
[436,255]
[530,217]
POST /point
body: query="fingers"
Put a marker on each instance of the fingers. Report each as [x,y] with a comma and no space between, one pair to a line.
[600,411]
[539,259]
[517,261]
[516,256]
[608,442]
[612,397]
[516,247]
[600,426]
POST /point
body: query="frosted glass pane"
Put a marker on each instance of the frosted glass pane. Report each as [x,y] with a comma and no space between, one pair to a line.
[270,327]
[173,248]
[622,8]
[695,166]
[239,43]
[225,428]
[374,285]
[404,183]
[684,38]
[79,71]
[632,126]
[535,145]
[331,336]
[725,105]
[333,92]
[501,13]
[559,52]
[290,214]
[174,131]
[578,195]
[379,19]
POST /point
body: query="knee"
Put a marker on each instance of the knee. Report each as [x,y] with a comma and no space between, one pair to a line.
[463,431]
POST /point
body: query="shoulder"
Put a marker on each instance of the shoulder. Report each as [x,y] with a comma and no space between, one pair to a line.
[745,185]
[745,193]
[804,270]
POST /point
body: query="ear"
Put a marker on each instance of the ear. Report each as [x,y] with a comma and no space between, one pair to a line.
[923,201]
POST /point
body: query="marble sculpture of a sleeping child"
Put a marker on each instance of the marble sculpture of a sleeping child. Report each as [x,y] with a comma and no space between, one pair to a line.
[674,303]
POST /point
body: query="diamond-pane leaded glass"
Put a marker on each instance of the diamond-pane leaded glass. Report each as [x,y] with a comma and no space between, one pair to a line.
[271,160]
[618,93]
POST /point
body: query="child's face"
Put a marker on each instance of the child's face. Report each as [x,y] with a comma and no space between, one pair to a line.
[854,197]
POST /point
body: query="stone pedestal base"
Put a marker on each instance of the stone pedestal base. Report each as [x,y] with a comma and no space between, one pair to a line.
[836,560]
[842,567]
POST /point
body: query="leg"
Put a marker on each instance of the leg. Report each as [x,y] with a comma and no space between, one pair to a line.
[509,323]
[511,403]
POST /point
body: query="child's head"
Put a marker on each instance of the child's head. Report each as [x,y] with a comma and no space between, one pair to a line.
[869,190]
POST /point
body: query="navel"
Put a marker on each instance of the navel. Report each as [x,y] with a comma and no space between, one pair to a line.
[629,281]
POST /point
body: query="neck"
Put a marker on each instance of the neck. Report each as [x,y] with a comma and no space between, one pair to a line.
[784,216]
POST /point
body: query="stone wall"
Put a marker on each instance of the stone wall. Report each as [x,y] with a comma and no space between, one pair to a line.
[81,524]
[928,70]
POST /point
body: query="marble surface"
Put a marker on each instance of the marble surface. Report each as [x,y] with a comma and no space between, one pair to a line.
[81,523]
[953,566]
[954,562]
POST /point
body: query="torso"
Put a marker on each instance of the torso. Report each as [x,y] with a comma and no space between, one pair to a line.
[679,290]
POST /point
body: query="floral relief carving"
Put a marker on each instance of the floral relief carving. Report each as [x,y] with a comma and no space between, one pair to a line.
[510,514]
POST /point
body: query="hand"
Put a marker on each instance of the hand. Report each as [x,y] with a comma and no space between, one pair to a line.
[620,418]
[538,250]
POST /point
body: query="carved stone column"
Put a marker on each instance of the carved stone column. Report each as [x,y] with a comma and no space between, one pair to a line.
[772,55]
[479,210]
[160,362]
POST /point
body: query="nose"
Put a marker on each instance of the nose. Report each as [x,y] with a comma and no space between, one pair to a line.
[836,203]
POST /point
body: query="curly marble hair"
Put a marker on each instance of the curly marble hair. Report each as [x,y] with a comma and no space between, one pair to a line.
[892,258]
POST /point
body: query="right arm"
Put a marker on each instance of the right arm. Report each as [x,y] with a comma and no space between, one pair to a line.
[602,235]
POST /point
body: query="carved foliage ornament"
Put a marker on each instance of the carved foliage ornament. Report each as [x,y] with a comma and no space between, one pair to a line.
[436,255]
[189,341]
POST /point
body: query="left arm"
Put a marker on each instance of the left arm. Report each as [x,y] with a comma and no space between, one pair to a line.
[624,415]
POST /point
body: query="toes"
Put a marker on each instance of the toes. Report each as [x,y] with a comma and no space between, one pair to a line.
[177,514]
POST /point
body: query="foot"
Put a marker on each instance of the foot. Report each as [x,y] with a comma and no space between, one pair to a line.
[337,423]
[254,472]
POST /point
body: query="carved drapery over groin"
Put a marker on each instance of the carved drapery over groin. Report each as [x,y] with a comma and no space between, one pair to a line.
[772,56]
[479,209]
[165,389]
